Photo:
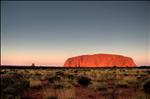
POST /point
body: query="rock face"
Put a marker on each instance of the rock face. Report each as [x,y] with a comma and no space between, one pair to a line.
[100,60]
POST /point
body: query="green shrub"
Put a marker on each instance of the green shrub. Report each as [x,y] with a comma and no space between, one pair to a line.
[84,81]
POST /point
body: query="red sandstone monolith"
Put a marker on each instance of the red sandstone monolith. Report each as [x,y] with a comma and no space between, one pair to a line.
[100,60]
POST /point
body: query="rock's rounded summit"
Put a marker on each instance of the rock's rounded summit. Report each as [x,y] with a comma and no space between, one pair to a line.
[100,60]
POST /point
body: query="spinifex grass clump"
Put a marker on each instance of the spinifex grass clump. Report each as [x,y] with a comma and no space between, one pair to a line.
[84,81]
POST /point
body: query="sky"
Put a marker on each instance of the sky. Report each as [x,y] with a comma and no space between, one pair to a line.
[48,32]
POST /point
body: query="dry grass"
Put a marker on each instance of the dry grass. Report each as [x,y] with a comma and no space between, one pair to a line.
[34,82]
[59,93]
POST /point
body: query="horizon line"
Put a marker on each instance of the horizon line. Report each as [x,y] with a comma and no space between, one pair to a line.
[56,65]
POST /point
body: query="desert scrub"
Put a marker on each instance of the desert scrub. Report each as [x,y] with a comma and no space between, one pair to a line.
[69,76]
[51,97]
[99,86]
[122,85]
[61,73]
[58,86]
[84,81]
[75,71]
[54,79]
[12,88]
[147,87]
[129,79]
[34,83]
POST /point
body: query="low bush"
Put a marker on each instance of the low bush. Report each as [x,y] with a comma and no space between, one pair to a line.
[148,71]
[71,77]
[147,87]
[75,71]
[84,81]
[53,79]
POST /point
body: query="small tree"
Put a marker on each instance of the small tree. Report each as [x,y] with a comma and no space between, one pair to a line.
[33,65]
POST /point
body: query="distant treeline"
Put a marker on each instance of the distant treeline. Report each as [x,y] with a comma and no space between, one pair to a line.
[59,67]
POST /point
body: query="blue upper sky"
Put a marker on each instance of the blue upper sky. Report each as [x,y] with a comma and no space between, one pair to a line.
[48,32]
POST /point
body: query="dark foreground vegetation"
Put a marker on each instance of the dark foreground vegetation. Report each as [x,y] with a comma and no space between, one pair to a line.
[56,67]
[74,83]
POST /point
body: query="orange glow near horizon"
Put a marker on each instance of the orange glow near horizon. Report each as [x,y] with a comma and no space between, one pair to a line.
[29,62]
[58,58]
[49,60]
[28,59]
[46,62]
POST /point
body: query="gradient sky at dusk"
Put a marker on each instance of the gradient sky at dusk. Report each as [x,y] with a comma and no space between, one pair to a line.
[48,32]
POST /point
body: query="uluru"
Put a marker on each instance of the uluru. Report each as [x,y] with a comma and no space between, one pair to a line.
[100,60]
